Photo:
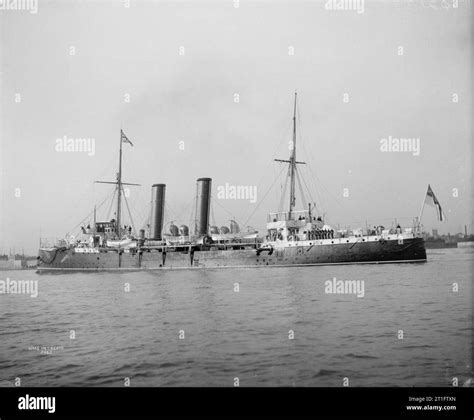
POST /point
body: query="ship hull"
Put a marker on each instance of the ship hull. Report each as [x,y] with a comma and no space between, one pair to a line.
[323,252]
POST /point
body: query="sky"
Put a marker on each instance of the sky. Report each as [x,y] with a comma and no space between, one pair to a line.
[206,89]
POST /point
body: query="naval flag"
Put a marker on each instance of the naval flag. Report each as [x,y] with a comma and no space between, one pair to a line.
[125,138]
[431,200]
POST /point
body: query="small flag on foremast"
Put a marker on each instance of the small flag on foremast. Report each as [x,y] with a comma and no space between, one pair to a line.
[431,200]
[125,138]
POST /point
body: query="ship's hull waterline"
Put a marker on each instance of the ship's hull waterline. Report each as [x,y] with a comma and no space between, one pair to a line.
[326,252]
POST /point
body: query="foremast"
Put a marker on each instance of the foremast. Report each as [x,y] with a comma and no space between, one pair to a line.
[119,185]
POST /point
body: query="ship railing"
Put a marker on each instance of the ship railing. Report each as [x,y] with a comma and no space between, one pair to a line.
[285,216]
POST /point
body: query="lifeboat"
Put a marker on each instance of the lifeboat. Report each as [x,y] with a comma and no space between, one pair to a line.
[124,243]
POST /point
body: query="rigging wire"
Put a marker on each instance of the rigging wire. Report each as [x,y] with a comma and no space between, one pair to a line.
[137,208]
[308,151]
[271,161]
[309,193]
[283,194]
[228,212]
[128,208]
[273,157]
[91,213]
[307,189]
[140,206]
[281,185]
[171,212]
[107,168]
[263,199]
[192,220]
[80,197]
[213,220]
[184,210]
[314,176]
[111,203]
[303,198]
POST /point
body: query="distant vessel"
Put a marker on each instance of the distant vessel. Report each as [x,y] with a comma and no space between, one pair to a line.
[293,238]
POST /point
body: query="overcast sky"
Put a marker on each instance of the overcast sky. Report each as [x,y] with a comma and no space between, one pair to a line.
[169,72]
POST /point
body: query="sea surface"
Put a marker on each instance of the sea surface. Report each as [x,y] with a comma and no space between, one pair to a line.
[193,328]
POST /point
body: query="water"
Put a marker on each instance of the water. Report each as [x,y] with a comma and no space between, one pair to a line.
[243,334]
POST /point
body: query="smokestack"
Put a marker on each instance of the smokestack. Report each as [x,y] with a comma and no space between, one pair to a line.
[157,210]
[203,205]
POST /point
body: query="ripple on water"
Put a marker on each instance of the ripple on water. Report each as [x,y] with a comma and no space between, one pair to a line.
[360,356]
[243,334]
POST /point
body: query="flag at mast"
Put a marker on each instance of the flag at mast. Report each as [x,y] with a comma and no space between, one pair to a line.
[432,201]
[125,138]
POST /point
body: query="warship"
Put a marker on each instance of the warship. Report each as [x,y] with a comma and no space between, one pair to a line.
[296,237]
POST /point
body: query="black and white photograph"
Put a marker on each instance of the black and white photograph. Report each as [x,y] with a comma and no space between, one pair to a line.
[261,198]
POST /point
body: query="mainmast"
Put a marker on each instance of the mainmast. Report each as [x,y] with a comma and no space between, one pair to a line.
[119,186]
[292,165]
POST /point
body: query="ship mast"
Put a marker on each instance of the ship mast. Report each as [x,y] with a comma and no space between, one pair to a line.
[292,165]
[119,186]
